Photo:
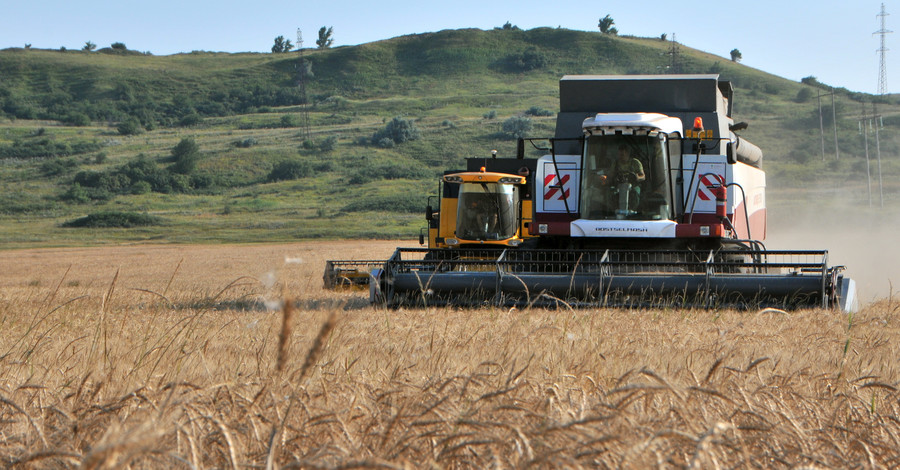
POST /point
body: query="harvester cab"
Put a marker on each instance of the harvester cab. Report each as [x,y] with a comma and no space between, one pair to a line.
[488,206]
[489,209]
[627,179]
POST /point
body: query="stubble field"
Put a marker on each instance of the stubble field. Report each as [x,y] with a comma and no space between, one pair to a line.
[155,356]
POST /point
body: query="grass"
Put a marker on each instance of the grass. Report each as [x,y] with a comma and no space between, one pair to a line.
[354,92]
[189,357]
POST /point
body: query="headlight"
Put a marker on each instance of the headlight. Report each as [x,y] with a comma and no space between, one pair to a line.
[453,179]
[514,242]
[508,180]
[451,241]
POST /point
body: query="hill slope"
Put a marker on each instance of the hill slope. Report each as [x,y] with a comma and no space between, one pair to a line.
[85,133]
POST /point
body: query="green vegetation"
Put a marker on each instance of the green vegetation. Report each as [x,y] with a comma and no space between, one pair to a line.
[114,220]
[325,37]
[228,147]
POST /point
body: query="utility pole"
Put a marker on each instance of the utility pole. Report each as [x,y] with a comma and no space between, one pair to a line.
[864,127]
[819,96]
[301,83]
[882,71]
[821,126]
[876,119]
[837,151]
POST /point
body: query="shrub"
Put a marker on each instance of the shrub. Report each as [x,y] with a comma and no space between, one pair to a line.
[141,187]
[328,144]
[76,194]
[804,95]
[45,148]
[144,169]
[114,219]
[517,127]
[288,120]
[108,182]
[538,111]
[334,102]
[202,181]
[189,120]
[324,167]
[75,118]
[246,143]
[530,59]
[290,170]
[492,114]
[398,130]
[185,155]
[58,166]
[130,126]
[325,145]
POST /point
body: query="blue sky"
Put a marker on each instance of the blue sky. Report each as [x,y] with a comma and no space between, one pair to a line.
[792,39]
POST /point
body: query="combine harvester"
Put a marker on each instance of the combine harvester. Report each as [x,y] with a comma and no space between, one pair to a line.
[646,198]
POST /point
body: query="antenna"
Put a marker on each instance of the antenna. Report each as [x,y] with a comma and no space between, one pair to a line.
[882,71]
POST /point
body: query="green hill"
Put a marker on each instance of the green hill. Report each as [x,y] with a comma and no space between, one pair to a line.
[85,133]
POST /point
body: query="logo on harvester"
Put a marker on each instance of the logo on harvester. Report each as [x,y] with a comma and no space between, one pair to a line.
[551,189]
[704,191]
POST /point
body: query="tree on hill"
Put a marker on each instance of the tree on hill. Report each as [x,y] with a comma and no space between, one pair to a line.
[607,24]
[517,127]
[325,39]
[736,55]
[130,126]
[397,131]
[118,46]
[282,45]
[510,27]
[185,155]
[89,46]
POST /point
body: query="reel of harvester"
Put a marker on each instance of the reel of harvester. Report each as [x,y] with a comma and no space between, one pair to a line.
[741,279]
[349,274]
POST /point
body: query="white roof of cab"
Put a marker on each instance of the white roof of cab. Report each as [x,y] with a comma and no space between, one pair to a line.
[632,121]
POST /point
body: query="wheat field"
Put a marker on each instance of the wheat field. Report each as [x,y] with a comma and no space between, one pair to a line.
[156,356]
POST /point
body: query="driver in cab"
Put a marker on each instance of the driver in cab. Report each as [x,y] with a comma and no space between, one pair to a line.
[626,169]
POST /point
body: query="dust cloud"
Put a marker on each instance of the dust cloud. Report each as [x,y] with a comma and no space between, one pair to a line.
[862,239]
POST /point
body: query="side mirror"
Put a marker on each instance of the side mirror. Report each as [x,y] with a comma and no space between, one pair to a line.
[429,213]
[520,149]
[729,153]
